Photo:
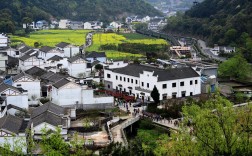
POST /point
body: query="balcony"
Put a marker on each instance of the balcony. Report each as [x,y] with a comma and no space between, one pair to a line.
[142,90]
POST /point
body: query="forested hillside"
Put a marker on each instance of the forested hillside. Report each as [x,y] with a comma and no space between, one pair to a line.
[225,22]
[14,12]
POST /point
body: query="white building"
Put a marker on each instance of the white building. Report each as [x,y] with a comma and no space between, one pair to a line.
[56,63]
[117,64]
[49,117]
[116,24]
[12,133]
[4,40]
[77,65]
[67,93]
[96,56]
[69,49]
[3,60]
[146,19]
[14,96]
[11,52]
[27,82]
[87,25]
[47,52]
[29,60]
[64,24]
[218,49]
[139,81]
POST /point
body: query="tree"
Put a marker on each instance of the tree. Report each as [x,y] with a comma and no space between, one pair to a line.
[98,67]
[236,67]
[53,143]
[222,131]
[155,95]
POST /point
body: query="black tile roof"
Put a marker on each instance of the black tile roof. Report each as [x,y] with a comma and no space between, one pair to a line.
[96,54]
[25,49]
[4,86]
[163,75]
[52,77]
[12,61]
[47,117]
[11,123]
[61,83]
[27,56]
[46,49]
[62,44]
[35,71]
[76,57]
[95,63]
[55,58]
[48,107]
[47,75]
[18,76]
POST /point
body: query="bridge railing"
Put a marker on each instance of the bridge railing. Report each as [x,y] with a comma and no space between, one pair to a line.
[128,123]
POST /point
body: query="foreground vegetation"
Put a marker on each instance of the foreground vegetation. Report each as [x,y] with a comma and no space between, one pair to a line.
[210,128]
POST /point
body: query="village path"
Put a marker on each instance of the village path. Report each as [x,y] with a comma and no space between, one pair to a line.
[172,123]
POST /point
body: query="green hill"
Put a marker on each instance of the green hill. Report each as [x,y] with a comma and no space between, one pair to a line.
[14,12]
[225,22]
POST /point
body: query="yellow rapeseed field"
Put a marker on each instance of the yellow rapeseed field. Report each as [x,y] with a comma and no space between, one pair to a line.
[77,37]
[53,37]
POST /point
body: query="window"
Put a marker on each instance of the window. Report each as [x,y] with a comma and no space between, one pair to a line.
[183,93]
[196,81]
[116,88]
[124,89]
[128,79]
[182,83]
[136,82]
[17,52]
[164,96]
[131,80]
[124,79]
[142,84]
[173,85]
[164,86]
[108,86]
[148,85]
[108,75]
[116,77]
[191,82]
[191,93]
[174,95]
[120,78]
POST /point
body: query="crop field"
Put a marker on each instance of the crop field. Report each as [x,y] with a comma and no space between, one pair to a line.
[135,36]
[52,37]
[113,38]
[77,37]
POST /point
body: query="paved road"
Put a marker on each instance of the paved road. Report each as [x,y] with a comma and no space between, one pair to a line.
[117,134]
[206,51]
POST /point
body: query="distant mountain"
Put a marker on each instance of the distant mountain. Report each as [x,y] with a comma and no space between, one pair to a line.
[225,22]
[14,12]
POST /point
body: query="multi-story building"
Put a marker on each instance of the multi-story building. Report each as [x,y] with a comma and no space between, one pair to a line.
[139,81]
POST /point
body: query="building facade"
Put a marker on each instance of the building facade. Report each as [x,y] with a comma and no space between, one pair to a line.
[139,81]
